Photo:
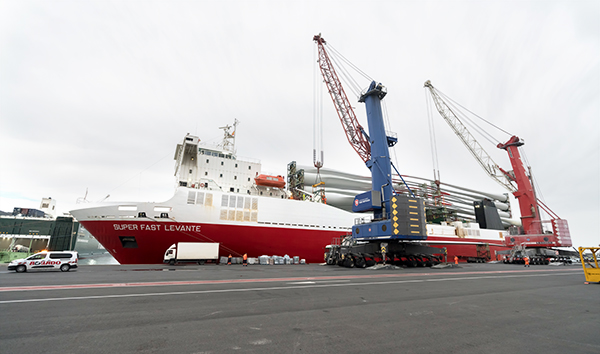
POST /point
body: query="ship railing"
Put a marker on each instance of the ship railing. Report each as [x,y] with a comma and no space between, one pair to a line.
[247,159]
[337,241]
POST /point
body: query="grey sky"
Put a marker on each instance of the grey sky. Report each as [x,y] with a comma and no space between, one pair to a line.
[96,94]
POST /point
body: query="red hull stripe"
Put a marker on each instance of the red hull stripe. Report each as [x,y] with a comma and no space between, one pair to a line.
[266,280]
[153,239]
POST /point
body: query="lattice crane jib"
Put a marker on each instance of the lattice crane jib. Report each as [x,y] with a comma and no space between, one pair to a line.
[518,183]
[353,130]
[482,157]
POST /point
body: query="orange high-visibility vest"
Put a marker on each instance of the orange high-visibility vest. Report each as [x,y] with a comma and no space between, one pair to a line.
[245,257]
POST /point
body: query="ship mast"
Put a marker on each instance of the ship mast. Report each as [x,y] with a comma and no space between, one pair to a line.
[228,143]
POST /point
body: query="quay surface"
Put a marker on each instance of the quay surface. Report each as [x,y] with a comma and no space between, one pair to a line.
[477,308]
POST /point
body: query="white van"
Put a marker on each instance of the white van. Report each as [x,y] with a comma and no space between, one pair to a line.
[47,260]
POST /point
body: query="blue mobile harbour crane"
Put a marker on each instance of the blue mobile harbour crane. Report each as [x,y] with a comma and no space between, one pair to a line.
[398,221]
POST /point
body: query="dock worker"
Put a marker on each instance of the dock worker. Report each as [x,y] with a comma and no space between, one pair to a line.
[526,261]
[455,259]
[245,258]
[229,259]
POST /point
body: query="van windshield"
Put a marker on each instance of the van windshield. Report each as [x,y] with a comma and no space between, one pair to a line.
[37,256]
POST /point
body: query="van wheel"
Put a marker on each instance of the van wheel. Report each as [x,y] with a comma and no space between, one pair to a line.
[65,268]
[21,269]
[172,262]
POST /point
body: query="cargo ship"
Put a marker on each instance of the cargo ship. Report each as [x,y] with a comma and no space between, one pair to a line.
[222,197]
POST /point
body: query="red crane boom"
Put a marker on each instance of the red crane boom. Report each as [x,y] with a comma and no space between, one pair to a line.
[354,131]
[530,214]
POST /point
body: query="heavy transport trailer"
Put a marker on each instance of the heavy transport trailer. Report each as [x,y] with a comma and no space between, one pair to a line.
[351,253]
[476,260]
[540,260]
[537,255]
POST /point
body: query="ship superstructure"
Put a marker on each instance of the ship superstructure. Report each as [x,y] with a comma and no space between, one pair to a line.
[218,168]
[217,199]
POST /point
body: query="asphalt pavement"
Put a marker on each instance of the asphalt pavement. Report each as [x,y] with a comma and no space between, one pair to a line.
[476,308]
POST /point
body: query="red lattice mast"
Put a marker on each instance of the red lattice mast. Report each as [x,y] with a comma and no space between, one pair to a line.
[354,131]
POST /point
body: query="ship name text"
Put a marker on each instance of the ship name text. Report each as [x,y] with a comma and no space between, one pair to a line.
[155,227]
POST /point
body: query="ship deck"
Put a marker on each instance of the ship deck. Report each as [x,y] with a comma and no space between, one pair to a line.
[476,308]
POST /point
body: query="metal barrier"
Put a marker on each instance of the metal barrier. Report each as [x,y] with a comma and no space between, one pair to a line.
[590,264]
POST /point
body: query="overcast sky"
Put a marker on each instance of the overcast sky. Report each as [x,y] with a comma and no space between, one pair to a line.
[95,95]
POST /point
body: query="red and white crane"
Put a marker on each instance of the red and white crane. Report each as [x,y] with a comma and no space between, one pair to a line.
[518,182]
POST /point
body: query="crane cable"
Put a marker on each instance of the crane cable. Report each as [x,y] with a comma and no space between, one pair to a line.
[538,190]
[468,121]
[450,102]
[337,58]
[362,73]
[478,128]
[387,127]
[345,76]
[432,138]
[317,118]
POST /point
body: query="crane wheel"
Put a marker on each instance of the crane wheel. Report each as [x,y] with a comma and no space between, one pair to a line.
[410,262]
[360,262]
